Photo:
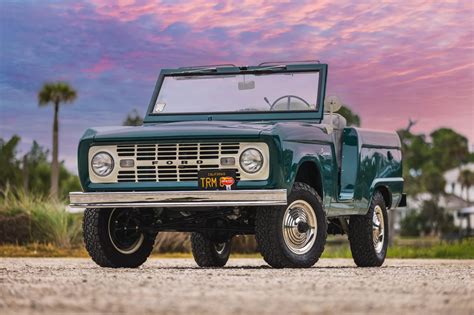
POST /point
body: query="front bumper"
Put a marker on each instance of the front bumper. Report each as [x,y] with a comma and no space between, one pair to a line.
[169,199]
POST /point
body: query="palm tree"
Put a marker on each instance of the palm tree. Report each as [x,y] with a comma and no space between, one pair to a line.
[55,93]
[466,179]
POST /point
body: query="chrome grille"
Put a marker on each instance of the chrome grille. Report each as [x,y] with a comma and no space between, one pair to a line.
[172,162]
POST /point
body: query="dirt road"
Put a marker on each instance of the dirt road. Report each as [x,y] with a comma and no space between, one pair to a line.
[246,286]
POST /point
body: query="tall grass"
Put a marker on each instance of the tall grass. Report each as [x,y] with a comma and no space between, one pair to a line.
[414,248]
[49,220]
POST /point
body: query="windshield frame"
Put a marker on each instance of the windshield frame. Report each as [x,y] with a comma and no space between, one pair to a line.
[152,117]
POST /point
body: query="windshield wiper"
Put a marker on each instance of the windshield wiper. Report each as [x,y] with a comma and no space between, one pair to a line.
[269,68]
[209,69]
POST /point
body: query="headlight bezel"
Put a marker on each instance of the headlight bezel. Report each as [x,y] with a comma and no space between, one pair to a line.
[111,164]
[262,161]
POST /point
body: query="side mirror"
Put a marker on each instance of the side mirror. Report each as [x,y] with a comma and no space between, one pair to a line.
[332,104]
[247,85]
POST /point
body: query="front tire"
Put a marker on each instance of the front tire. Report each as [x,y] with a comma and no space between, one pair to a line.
[209,253]
[112,238]
[293,236]
[368,234]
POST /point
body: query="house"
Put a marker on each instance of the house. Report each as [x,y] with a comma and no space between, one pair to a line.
[455,188]
[464,214]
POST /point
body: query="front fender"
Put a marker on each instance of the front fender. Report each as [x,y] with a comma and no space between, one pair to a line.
[321,154]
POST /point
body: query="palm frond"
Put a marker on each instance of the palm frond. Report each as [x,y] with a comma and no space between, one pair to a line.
[56,93]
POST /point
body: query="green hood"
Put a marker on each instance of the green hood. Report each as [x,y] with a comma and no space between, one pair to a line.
[290,130]
[175,130]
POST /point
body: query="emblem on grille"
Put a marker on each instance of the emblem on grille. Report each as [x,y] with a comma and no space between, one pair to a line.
[184,162]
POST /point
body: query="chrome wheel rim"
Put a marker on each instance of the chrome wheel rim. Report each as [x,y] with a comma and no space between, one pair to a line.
[299,227]
[220,248]
[378,233]
[123,232]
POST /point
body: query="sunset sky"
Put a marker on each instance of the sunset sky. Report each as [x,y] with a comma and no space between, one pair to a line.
[389,61]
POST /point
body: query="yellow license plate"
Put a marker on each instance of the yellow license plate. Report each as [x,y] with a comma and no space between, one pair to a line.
[217,180]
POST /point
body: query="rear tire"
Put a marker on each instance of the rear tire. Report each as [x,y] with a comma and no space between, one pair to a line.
[209,253]
[368,234]
[293,236]
[102,228]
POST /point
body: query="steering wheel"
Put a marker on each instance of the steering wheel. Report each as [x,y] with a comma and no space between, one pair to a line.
[289,97]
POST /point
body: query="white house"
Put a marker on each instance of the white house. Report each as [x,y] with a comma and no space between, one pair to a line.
[454,187]
[464,215]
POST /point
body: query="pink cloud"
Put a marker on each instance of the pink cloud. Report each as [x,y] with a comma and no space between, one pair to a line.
[410,54]
[103,65]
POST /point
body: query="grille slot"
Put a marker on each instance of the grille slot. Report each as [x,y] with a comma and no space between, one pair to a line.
[185,159]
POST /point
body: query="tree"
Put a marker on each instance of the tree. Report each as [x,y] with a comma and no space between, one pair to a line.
[55,93]
[352,118]
[416,155]
[10,173]
[133,119]
[466,179]
[433,181]
[449,149]
[38,177]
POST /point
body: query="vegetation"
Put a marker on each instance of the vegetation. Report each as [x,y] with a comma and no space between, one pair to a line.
[133,119]
[42,220]
[32,173]
[352,118]
[423,168]
[55,93]
[415,249]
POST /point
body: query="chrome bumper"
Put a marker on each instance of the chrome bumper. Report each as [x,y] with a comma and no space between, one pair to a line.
[202,198]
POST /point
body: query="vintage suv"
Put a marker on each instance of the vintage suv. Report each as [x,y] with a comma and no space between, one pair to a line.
[226,151]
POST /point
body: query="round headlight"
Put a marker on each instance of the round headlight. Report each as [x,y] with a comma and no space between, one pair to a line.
[251,160]
[102,164]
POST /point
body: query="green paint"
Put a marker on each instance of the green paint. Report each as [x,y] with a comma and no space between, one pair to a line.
[293,139]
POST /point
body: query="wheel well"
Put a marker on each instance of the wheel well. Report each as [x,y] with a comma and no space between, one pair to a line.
[387,196]
[308,173]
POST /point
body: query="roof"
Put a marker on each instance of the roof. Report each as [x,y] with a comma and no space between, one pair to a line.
[468,210]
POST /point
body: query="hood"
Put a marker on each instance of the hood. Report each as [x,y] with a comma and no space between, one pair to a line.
[182,130]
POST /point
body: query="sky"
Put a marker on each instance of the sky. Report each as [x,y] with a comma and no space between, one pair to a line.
[388,60]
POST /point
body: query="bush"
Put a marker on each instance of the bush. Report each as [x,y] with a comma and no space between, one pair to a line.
[411,224]
[430,220]
[15,229]
[48,221]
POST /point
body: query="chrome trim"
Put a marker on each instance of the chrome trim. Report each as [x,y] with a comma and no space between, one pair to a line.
[200,198]
[176,162]
[299,227]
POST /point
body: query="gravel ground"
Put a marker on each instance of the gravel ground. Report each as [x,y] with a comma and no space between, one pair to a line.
[245,286]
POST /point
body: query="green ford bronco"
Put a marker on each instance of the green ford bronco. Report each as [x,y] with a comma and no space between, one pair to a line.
[226,151]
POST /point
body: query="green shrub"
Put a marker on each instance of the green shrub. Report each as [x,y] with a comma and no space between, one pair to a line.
[49,222]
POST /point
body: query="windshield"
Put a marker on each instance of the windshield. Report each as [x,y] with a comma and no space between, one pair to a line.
[213,93]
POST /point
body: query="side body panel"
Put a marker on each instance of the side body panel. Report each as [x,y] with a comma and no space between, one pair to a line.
[371,160]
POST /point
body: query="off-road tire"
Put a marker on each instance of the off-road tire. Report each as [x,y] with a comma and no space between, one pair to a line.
[205,253]
[361,238]
[100,247]
[269,234]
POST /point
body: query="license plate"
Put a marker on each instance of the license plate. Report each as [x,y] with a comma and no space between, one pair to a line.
[217,180]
